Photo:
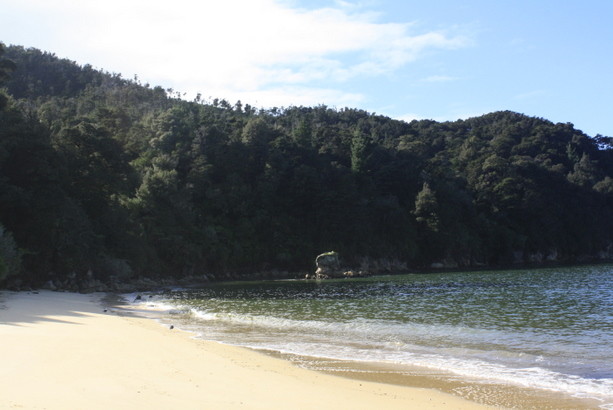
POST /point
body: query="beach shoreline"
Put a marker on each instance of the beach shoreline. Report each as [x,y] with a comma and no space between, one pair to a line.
[481,391]
[62,350]
[476,389]
[221,316]
[485,392]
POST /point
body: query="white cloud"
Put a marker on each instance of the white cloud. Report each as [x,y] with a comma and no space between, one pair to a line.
[260,48]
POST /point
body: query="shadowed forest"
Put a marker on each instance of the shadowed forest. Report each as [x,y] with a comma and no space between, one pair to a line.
[104,174]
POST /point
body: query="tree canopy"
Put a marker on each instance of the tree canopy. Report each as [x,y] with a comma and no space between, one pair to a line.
[106,174]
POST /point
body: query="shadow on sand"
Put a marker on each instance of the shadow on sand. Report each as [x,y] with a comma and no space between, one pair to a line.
[21,308]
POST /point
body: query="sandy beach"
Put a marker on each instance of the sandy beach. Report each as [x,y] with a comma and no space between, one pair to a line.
[62,351]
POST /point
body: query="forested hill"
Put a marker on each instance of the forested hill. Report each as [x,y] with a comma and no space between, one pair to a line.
[106,174]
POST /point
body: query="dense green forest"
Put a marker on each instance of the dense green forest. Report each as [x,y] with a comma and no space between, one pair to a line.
[107,175]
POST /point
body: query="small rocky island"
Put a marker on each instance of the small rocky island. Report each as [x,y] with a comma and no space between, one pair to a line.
[329,266]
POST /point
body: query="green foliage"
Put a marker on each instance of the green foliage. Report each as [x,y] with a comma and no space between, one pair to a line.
[426,208]
[101,173]
[6,66]
[605,186]
[359,152]
[10,255]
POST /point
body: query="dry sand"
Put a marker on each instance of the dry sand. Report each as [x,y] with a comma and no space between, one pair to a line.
[61,351]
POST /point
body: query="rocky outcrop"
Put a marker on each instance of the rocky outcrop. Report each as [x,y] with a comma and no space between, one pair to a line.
[329,266]
[355,274]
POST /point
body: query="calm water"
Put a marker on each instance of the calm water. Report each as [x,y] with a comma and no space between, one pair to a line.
[546,329]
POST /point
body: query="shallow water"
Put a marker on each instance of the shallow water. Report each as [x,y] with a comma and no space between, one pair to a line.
[549,329]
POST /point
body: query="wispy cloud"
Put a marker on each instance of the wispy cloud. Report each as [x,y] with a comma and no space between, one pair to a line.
[259,48]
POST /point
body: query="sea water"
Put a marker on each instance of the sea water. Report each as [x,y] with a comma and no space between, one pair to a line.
[549,329]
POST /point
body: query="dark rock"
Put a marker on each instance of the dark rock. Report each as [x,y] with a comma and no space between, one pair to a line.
[355,274]
[328,266]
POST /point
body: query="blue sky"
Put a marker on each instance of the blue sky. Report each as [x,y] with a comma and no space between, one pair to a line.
[436,59]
